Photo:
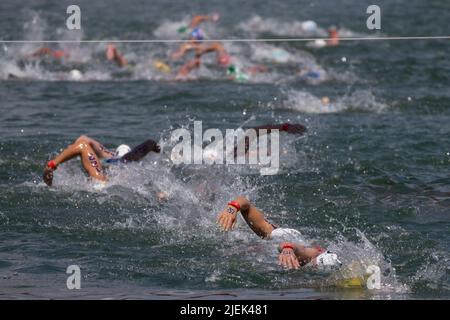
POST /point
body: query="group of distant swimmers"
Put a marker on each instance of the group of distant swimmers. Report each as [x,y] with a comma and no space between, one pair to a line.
[195,43]
[293,252]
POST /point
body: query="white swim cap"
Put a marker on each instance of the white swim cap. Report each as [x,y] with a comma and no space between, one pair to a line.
[320,43]
[122,150]
[328,259]
[75,74]
[309,26]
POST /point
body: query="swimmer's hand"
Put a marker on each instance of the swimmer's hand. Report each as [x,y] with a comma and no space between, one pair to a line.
[288,259]
[227,218]
[48,176]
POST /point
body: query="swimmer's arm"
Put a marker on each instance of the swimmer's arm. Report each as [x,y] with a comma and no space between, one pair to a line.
[183,49]
[215,46]
[287,127]
[41,52]
[254,218]
[199,19]
[303,254]
[121,61]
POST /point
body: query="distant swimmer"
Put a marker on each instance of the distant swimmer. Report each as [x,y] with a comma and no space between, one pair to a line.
[223,59]
[47,52]
[293,251]
[326,102]
[93,152]
[194,30]
[332,41]
[333,37]
[237,74]
[313,74]
[112,54]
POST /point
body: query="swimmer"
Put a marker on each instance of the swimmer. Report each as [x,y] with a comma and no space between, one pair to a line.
[236,74]
[313,75]
[292,255]
[333,40]
[112,54]
[45,51]
[325,101]
[223,59]
[195,32]
[92,152]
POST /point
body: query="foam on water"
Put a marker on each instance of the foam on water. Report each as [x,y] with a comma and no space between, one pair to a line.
[359,100]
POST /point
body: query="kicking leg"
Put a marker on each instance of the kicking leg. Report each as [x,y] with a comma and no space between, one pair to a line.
[99,149]
[89,158]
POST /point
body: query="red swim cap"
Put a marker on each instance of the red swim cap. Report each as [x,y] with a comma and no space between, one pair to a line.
[58,54]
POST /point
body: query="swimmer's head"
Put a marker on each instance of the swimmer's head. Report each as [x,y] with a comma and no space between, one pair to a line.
[325,101]
[333,32]
[122,150]
[309,26]
[224,60]
[215,17]
[197,34]
[327,259]
[75,74]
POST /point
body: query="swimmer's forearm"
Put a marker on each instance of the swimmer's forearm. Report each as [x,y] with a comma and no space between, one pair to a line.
[286,127]
[244,204]
[199,19]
